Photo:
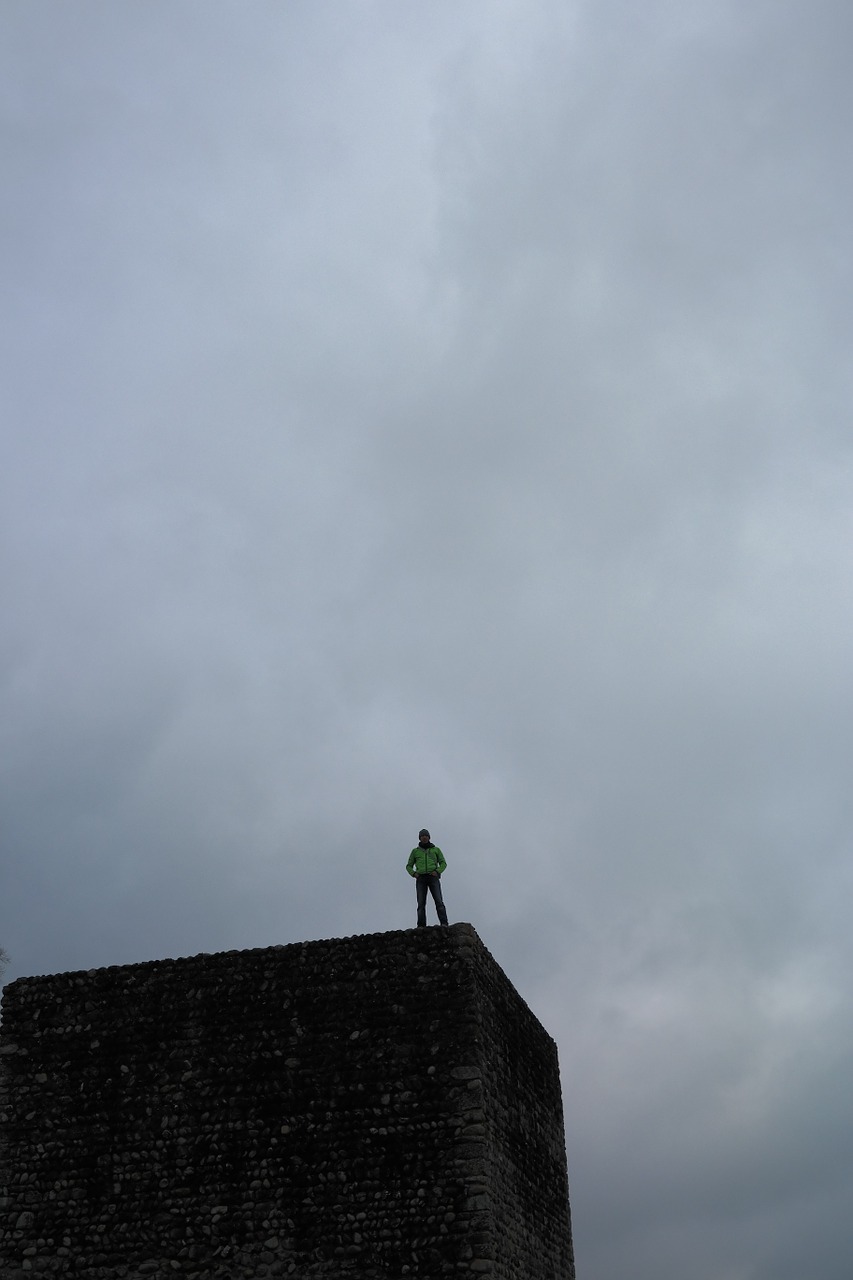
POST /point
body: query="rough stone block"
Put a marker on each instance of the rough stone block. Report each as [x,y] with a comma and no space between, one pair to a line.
[367,1107]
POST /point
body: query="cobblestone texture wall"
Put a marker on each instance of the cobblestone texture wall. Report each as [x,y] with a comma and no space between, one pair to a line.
[374,1107]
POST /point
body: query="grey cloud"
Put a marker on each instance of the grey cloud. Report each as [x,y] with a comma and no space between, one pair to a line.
[442,420]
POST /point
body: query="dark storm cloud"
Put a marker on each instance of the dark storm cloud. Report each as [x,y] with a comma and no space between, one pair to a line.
[439,417]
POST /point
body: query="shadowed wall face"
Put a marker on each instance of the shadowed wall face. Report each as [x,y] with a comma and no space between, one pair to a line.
[376,1106]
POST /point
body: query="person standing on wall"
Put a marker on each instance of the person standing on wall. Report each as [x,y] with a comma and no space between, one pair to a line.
[426,863]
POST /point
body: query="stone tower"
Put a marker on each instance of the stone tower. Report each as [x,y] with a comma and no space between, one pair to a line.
[373,1107]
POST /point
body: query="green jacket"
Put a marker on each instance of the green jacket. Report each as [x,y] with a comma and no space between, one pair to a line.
[422,861]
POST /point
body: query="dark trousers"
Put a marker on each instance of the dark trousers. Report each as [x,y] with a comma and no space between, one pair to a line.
[433,884]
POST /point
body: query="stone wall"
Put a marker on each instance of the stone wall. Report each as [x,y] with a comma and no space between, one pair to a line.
[378,1106]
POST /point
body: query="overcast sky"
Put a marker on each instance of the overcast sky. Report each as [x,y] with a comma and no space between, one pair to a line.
[439,414]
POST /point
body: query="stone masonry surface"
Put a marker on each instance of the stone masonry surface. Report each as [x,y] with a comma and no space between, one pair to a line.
[376,1107]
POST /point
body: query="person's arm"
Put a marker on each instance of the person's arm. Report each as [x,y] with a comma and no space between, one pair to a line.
[442,865]
[410,865]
